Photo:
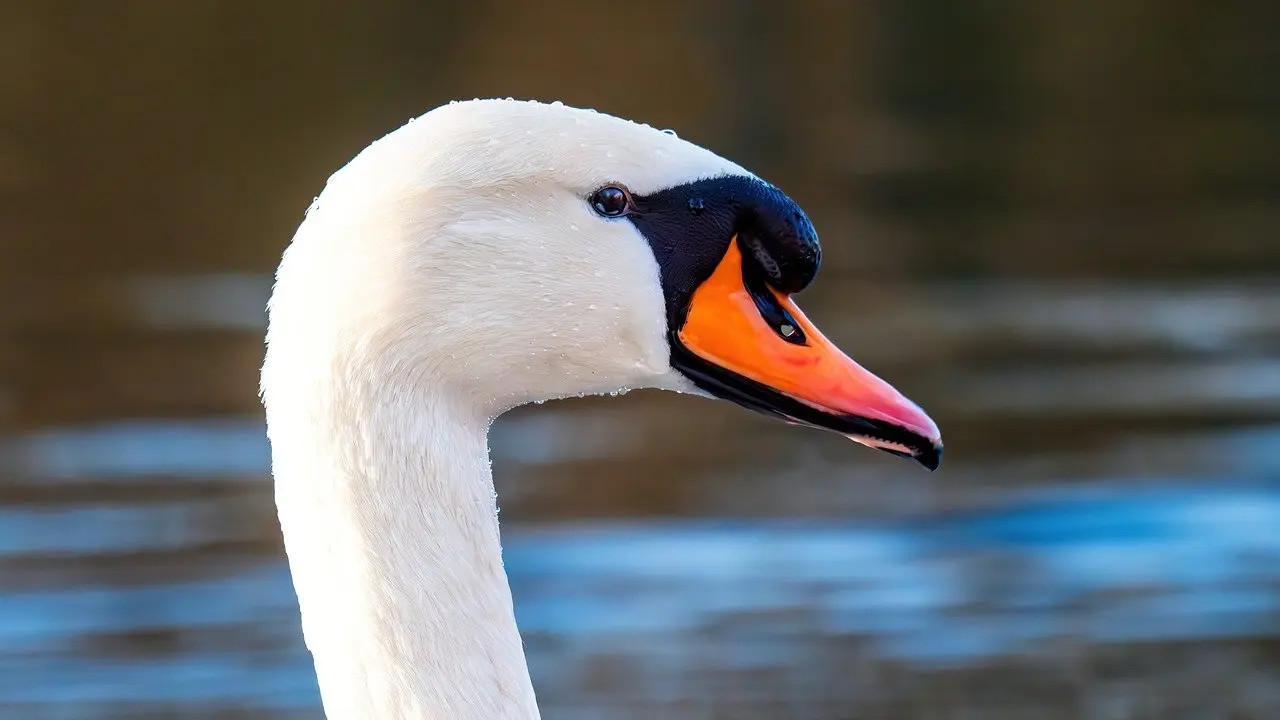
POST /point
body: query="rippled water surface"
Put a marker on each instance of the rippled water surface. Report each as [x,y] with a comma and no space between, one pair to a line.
[142,563]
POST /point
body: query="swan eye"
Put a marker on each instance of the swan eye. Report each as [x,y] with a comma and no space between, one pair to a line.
[611,201]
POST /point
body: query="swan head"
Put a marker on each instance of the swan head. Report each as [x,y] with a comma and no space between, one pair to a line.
[505,252]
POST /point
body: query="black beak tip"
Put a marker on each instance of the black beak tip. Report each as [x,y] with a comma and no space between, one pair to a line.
[931,456]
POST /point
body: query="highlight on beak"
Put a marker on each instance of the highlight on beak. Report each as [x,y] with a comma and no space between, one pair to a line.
[743,341]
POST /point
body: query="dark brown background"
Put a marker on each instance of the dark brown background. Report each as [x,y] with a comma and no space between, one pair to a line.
[1054,224]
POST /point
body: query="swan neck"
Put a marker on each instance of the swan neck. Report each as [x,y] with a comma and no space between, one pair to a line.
[387,505]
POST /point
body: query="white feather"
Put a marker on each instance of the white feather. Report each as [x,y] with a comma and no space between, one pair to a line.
[449,272]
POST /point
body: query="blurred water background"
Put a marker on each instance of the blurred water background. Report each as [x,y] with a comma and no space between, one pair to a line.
[1053,224]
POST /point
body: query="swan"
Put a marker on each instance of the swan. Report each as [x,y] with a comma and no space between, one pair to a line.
[485,255]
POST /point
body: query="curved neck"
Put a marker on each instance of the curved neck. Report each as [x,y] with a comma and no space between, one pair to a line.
[387,505]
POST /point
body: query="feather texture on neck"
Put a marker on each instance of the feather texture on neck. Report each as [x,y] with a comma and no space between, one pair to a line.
[452,270]
[387,505]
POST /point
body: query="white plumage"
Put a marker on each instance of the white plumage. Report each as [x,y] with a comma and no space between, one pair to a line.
[449,272]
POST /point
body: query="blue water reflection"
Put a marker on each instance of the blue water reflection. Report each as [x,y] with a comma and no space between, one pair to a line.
[1106,562]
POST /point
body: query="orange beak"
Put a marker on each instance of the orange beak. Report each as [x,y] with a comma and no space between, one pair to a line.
[746,342]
